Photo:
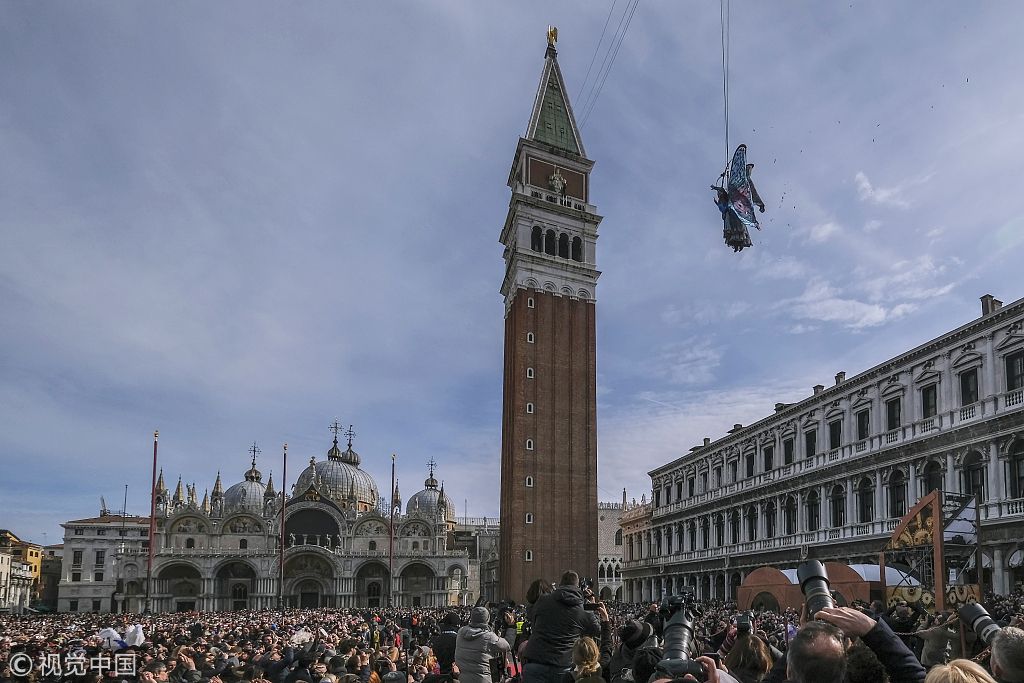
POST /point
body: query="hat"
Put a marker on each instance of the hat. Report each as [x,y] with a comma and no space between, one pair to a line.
[394,677]
[634,633]
[479,615]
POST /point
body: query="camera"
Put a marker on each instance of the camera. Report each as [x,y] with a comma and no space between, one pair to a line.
[815,586]
[977,617]
[744,623]
[678,610]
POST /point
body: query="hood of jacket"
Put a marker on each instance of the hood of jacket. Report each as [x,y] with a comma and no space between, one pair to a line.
[569,595]
[473,631]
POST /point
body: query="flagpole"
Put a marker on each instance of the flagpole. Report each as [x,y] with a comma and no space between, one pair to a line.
[152,529]
[280,555]
[391,537]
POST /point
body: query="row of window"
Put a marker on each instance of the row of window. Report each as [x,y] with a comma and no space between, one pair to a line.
[76,577]
[100,557]
[893,420]
[73,605]
[558,244]
[103,532]
[973,480]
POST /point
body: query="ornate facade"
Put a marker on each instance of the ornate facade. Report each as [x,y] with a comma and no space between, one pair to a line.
[830,477]
[222,553]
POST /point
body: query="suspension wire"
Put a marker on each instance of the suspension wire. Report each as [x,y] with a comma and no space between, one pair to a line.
[596,49]
[725,11]
[614,53]
[584,110]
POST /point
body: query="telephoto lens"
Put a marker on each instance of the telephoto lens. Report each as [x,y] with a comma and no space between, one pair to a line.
[678,632]
[814,584]
[977,617]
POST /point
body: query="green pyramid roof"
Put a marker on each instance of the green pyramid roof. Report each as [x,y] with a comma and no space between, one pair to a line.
[552,122]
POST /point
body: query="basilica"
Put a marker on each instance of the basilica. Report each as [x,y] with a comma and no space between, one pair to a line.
[223,552]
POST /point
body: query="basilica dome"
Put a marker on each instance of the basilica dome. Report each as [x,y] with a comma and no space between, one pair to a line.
[427,500]
[247,494]
[340,478]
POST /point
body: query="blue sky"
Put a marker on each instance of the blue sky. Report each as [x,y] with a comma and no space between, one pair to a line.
[236,222]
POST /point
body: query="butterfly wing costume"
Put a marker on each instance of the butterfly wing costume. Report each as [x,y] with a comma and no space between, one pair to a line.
[737,204]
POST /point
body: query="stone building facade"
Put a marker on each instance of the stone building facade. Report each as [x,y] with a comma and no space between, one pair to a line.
[89,570]
[223,552]
[830,476]
[609,550]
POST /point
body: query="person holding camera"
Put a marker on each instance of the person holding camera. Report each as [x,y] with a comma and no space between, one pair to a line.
[558,619]
[818,651]
[475,647]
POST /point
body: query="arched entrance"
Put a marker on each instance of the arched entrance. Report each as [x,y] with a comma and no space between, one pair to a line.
[415,584]
[308,580]
[372,581]
[182,584]
[765,601]
[234,582]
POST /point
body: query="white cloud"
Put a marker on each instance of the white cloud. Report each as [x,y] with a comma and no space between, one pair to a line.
[886,196]
[822,232]
[914,279]
[822,302]
[872,225]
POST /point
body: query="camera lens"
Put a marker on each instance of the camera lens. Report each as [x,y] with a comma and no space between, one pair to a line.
[814,584]
[978,618]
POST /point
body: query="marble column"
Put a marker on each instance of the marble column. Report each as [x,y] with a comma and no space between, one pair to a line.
[999,576]
[880,508]
[951,474]
[996,488]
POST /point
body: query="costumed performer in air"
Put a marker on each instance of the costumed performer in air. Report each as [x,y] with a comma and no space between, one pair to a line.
[737,202]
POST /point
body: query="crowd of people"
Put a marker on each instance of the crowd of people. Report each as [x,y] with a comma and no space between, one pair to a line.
[563,634]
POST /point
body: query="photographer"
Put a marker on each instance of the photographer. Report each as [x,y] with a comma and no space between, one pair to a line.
[475,647]
[558,619]
[818,651]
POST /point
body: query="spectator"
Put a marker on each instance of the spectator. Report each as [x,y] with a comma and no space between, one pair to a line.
[475,647]
[558,620]
[748,659]
[862,666]
[959,671]
[633,635]
[937,640]
[1008,655]
[586,661]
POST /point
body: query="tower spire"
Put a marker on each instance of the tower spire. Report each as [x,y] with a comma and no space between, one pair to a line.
[552,122]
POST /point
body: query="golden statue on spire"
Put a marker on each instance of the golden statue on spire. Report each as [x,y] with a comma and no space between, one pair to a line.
[552,35]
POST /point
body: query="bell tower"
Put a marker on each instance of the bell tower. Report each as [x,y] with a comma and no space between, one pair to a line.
[549,416]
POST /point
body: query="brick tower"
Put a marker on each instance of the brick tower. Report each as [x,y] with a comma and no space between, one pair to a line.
[549,418]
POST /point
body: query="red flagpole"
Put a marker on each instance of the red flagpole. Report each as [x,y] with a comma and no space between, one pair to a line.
[280,558]
[391,537]
[152,528]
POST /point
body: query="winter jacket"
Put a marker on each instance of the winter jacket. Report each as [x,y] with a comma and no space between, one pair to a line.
[475,646]
[558,619]
[443,645]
